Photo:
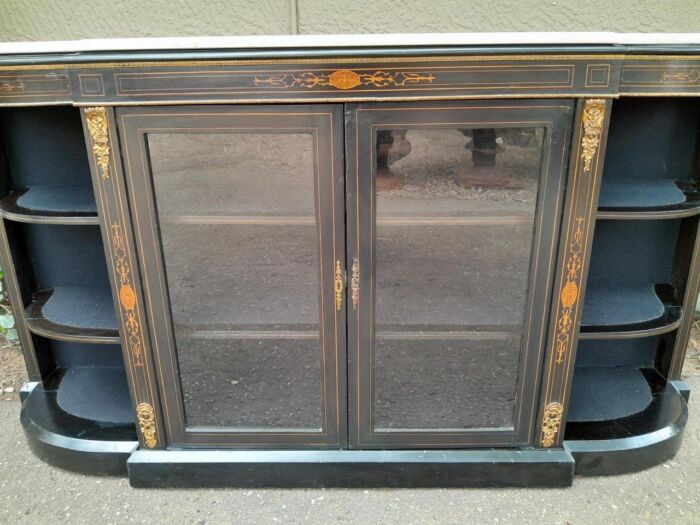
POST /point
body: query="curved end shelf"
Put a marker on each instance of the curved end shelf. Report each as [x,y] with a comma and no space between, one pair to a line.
[643,198]
[39,324]
[74,443]
[17,206]
[642,322]
[632,443]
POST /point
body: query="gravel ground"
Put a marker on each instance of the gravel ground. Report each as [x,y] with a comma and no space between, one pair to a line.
[13,373]
[33,492]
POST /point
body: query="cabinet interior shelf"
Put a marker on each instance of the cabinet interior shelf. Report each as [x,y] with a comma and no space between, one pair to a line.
[87,403]
[629,311]
[96,393]
[606,393]
[643,198]
[72,205]
[389,221]
[84,315]
[644,401]
[500,333]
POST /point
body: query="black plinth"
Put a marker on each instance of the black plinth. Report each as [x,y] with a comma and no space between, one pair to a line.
[347,468]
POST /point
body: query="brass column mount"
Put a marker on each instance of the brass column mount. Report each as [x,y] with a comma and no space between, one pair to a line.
[98,127]
[147,424]
[593,117]
[551,421]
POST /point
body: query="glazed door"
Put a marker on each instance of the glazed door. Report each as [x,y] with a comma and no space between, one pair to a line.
[239,219]
[453,214]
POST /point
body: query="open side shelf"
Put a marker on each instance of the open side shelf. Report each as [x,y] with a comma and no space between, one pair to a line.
[84,315]
[629,311]
[606,393]
[96,393]
[57,433]
[643,198]
[51,205]
[637,440]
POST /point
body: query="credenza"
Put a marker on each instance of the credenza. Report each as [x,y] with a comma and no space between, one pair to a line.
[401,262]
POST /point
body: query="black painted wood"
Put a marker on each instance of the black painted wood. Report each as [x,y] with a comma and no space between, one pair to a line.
[355,469]
[458,71]
[125,280]
[592,119]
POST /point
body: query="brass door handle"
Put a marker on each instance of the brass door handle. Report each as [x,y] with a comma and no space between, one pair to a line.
[355,283]
[339,286]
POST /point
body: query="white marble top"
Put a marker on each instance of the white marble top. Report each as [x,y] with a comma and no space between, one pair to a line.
[351,41]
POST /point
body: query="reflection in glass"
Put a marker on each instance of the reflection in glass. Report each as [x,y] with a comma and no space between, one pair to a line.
[238,233]
[450,309]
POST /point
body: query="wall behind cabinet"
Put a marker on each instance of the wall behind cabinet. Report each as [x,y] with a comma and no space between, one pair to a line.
[76,19]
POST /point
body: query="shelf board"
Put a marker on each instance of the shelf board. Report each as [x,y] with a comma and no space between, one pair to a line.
[82,315]
[607,393]
[629,311]
[99,394]
[661,409]
[633,443]
[71,441]
[642,198]
[74,205]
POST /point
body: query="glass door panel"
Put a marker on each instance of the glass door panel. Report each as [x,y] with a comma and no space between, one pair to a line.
[245,222]
[448,226]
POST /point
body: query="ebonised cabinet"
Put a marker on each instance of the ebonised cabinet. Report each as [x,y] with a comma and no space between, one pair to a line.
[408,267]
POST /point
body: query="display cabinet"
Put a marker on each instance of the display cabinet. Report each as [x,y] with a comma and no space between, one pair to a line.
[414,265]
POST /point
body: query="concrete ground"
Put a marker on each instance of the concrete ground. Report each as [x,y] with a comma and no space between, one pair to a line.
[34,492]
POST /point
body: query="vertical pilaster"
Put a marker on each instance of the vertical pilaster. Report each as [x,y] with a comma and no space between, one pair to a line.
[112,206]
[585,168]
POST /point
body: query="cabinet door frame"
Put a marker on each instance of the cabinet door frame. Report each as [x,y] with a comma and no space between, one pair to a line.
[324,123]
[362,122]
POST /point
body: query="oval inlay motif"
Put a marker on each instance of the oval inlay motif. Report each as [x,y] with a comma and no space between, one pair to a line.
[344,79]
[569,294]
[127,297]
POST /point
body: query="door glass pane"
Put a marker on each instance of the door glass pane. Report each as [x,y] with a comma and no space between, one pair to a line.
[455,217]
[240,247]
